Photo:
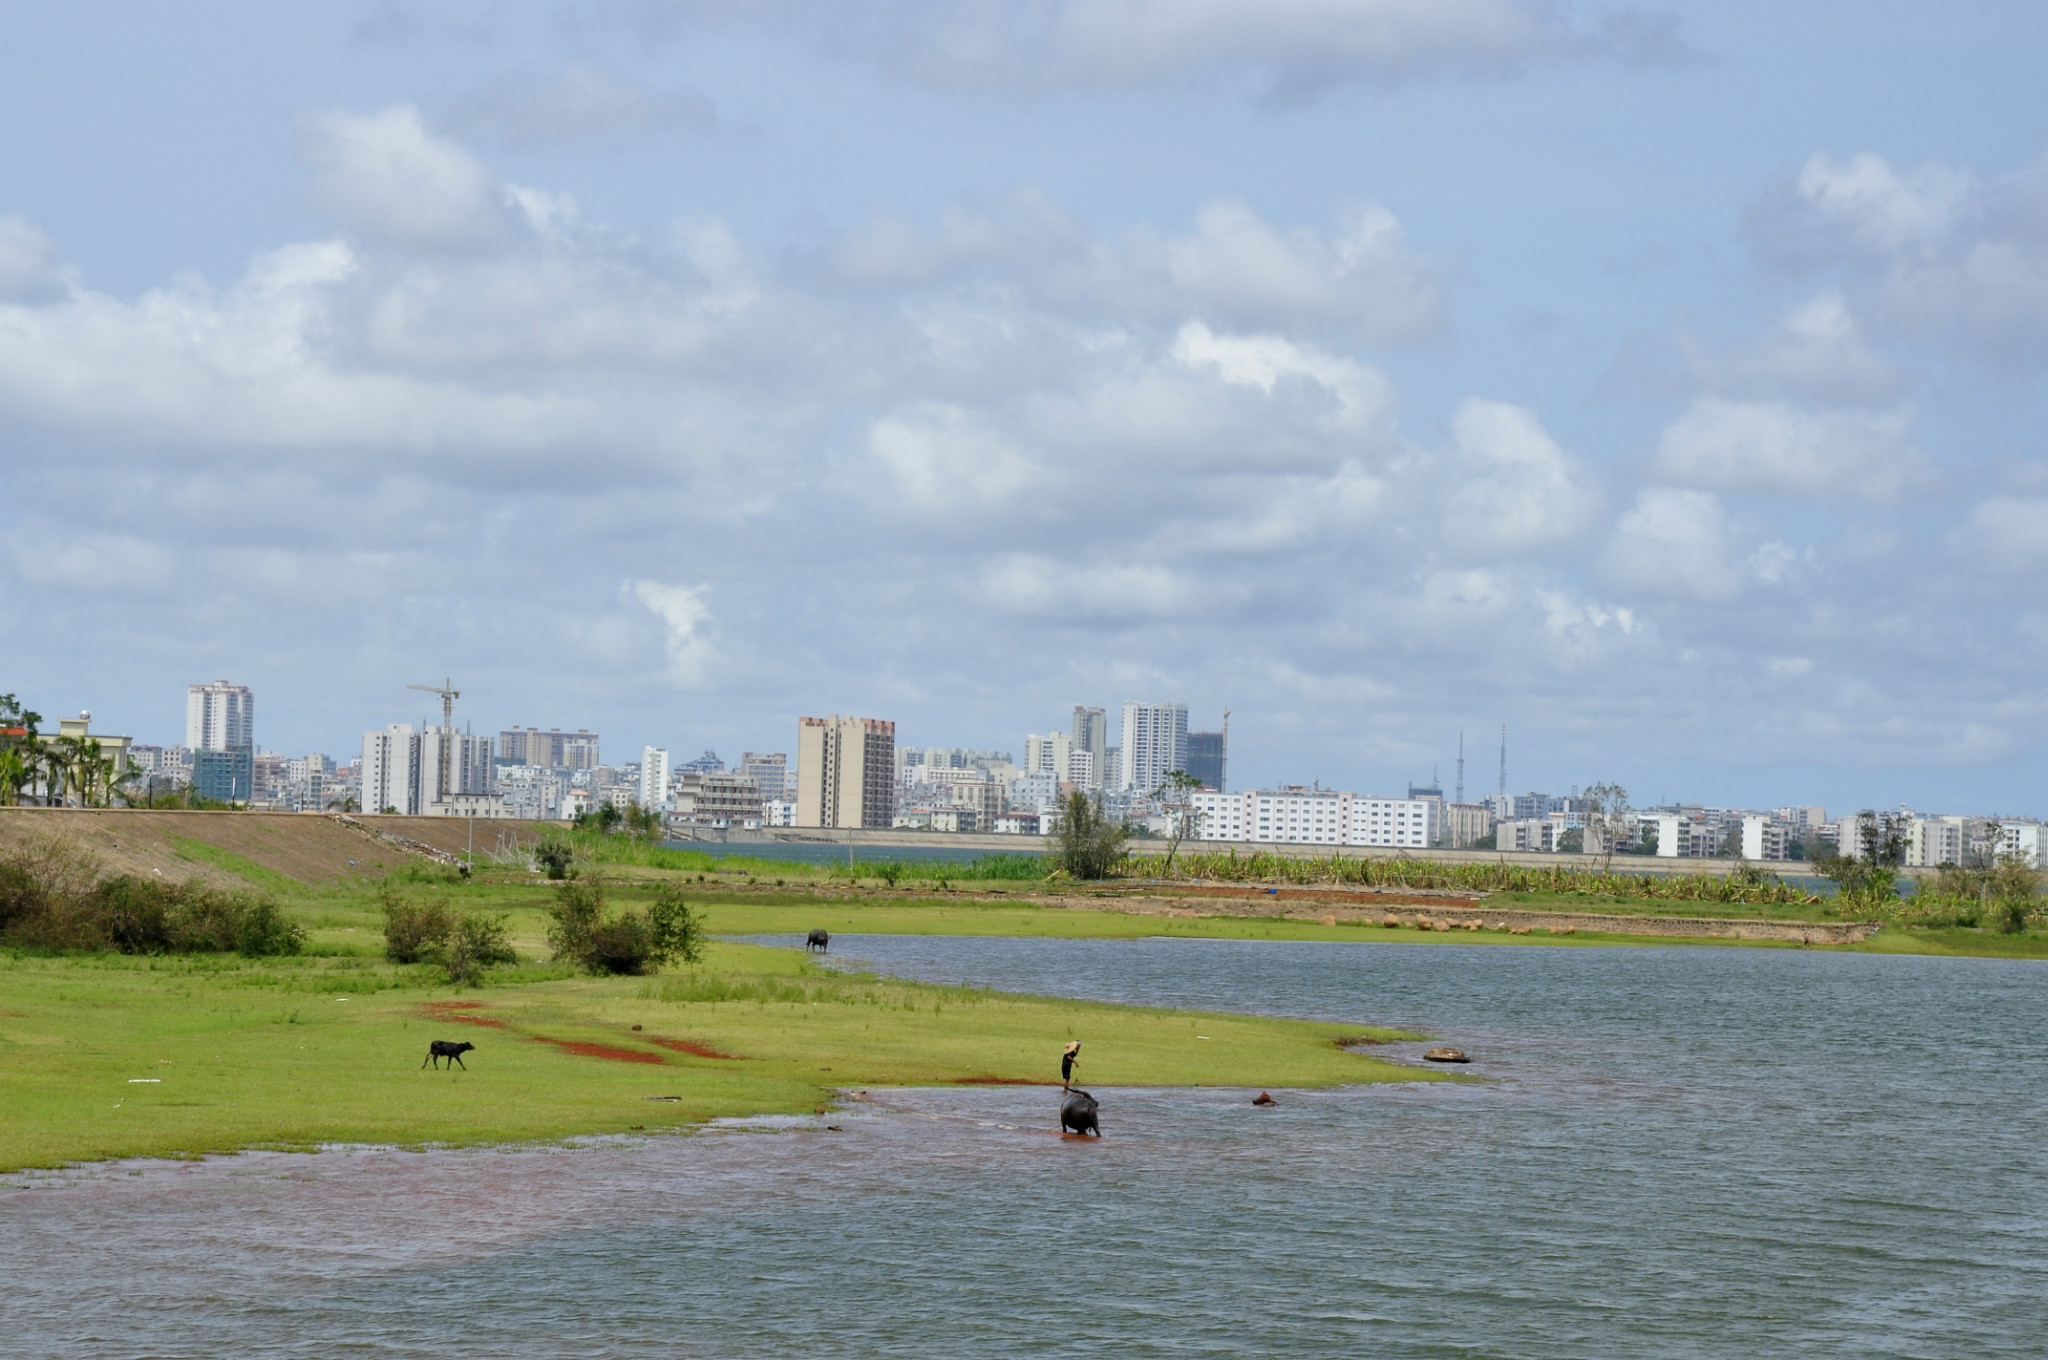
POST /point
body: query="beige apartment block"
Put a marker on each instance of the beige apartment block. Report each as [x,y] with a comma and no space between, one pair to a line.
[845,772]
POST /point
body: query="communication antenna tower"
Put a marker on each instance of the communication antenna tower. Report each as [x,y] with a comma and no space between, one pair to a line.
[1461,768]
[1503,760]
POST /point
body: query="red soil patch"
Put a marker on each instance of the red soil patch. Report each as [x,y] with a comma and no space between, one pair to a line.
[700,1050]
[583,1050]
[999,1081]
[453,1011]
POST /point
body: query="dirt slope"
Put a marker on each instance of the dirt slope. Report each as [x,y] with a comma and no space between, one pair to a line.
[307,847]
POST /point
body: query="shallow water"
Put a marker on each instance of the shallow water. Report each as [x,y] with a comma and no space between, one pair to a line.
[1677,1152]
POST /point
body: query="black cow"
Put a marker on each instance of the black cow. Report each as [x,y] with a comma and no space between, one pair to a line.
[443,1048]
[1077,1114]
[817,939]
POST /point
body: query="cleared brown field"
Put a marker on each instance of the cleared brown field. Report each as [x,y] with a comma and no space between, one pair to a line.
[308,848]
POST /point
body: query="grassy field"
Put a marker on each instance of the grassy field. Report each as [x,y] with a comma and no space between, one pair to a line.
[111,1056]
[107,1056]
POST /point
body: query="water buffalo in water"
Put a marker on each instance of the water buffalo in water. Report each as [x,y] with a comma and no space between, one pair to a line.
[817,939]
[443,1048]
[1077,1114]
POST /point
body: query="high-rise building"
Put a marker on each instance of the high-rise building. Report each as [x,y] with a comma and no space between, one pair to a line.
[467,765]
[845,772]
[653,777]
[391,770]
[1209,758]
[220,728]
[1091,734]
[220,717]
[1155,744]
[770,774]
[553,749]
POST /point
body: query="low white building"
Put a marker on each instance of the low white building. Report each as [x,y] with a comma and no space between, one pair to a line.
[2027,840]
[778,812]
[1765,838]
[1935,841]
[1306,816]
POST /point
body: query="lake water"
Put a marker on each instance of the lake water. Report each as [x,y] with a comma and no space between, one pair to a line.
[1673,1152]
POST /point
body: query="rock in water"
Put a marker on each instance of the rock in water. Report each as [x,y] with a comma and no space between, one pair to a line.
[1445,1055]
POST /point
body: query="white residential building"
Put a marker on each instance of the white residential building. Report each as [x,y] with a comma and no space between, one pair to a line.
[1935,841]
[1765,837]
[1403,823]
[220,717]
[1306,816]
[391,770]
[1155,744]
[779,812]
[1526,835]
[2027,840]
[653,791]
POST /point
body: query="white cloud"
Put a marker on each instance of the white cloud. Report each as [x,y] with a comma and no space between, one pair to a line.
[1092,592]
[1294,48]
[1672,542]
[586,100]
[92,562]
[942,459]
[1362,398]
[687,619]
[1773,448]
[2010,532]
[28,263]
[1359,280]
[389,179]
[1508,487]
[1236,268]
[1817,350]
[1933,252]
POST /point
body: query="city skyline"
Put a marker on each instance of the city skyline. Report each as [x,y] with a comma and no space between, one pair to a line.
[1663,386]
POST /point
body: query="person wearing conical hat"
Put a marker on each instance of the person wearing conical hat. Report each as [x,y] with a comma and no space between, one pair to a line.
[1067,1061]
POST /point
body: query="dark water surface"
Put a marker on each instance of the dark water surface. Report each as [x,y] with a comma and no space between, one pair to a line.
[1678,1152]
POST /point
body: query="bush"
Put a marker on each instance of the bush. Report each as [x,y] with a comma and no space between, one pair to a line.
[628,943]
[475,942]
[464,943]
[554,855]
[51,897]
[414,932]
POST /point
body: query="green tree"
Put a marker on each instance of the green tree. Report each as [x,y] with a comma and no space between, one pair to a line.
[1868,879]
[1176,793]
[1090,843]
[1609,820]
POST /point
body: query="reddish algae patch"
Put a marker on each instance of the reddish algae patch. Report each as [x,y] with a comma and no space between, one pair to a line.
[583,1050]
[699,1050]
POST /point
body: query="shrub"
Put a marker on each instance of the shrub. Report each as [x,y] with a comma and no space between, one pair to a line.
[474,943]
[414,932]
[52,898]
[554,855]
[1090,844]
[631,942]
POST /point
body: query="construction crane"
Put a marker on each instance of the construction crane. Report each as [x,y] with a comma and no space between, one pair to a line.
[449,694]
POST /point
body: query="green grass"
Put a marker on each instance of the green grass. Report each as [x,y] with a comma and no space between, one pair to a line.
[105,1056]
[199,852]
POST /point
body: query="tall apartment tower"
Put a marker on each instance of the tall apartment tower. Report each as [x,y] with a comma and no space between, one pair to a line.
[1155,744]
[653,777]
[219,717]
[391,771]
[220,730]
[464,758]
[1091,734]
[845,772]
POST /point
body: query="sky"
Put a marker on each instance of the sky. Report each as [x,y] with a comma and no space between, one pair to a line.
[1663,384]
